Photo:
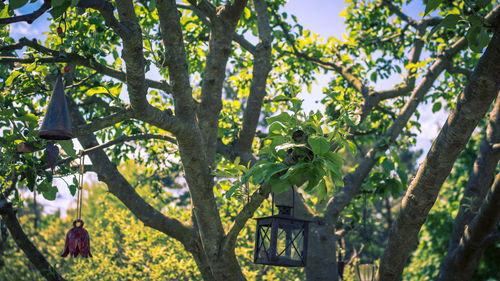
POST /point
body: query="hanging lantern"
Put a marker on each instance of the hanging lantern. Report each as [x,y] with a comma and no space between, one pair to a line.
[281,239]
[365,272]
[56,123]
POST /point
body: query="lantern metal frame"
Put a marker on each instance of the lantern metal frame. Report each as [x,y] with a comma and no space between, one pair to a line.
[269,229]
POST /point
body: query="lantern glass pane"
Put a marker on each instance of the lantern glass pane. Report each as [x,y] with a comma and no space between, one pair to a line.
[265,243]
[290,243]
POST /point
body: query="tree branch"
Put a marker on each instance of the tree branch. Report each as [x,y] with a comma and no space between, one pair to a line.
[9,218]
[244,43]
[232,10]
[459,70]
[73,58]
[214,73]
[100,123]
[126,138]
[206,8]
[481,89]
[480,179]
[121,139]
[261,69]
[121,188]
[29,18]
[461,263]
[133,56]
[354,180]
[374,98]
[175,55]
[342,70]
[106,10]
[398,12]
[245,214]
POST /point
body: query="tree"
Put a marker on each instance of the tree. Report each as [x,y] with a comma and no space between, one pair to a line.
[122,248]
[197,117]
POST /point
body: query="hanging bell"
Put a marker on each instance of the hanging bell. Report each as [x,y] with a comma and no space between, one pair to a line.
[56,123]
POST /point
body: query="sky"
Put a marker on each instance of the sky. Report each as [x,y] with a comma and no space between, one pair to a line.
[319,16]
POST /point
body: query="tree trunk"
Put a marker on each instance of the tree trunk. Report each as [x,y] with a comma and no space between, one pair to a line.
[226,267]
[472,104]
[460,264]
[322,248]
[321,257]
[480,179]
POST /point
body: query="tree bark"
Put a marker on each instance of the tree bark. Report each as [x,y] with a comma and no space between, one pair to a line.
[473,103]
[322,243]
[460,264]
[322,250]
[480,179]
[23,242]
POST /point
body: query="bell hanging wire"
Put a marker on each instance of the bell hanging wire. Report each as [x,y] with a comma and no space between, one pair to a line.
[56,123]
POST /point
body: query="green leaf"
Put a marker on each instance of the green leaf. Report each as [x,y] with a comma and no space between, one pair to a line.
[14,4]
[316,174]
[31,118]
[50,193]
[72,189]
[230,191]
[47,189]
[57,11]
[31,67]
[49,176]
[279,186]
[319,145]
[449,21]
[96,90]
[57,3]
[152,6]
[282,117]
[388,165]
[473,38]
[67,146]
[11,78]
[261,173]
[30,180]
[402,176]
[321,190]
[395,187]
[5,12]
[335,159]
[373,77]
[75,181]
[351,146]
[246,13]
[483,39]
[398,68]
[431,5]
[335,171]
[295,173]
[276,128]
[436,107]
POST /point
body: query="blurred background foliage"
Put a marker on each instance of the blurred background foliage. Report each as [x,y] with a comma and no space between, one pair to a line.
[122,248]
